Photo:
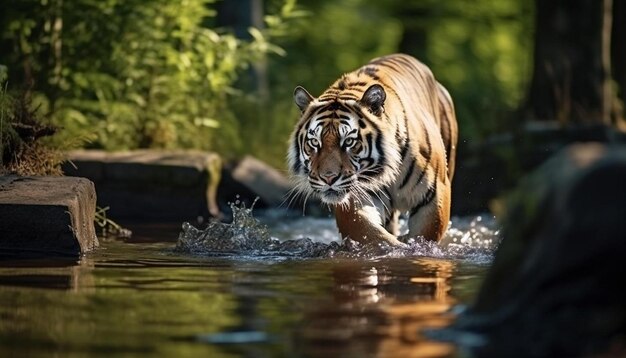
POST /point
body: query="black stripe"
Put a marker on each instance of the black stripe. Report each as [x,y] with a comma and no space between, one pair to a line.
[404,150]
[407,62]
[409,173]
[368,160]
[326,116]
[387,220]
[368,139]
[361,112]
[428,156]
[398,137]
[380,60]
[372,172]
[406,120]
[391,66]
[357,84]
[370,71]
[298,164]
[379,145]
[448,138]
[376,129]
[319,110]
[427,199]
[312,131]
[429,152]
[423,172]
[386,190]
[448,126]
[336,106]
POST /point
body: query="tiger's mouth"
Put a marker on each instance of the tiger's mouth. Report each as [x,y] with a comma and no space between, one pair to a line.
[333,197]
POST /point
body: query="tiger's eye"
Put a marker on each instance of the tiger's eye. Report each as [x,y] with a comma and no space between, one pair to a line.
[349,142]
[313,142]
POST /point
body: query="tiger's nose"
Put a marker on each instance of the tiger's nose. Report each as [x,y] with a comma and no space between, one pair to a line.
[330,177]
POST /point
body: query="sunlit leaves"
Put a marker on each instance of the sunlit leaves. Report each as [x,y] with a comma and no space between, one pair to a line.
[138,73]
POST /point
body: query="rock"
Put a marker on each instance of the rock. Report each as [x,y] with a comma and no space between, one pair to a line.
[250,178]
[151,184]
[268,183]
[47,215]
[556,284]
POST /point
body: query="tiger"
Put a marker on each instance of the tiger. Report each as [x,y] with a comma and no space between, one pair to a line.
[379,143]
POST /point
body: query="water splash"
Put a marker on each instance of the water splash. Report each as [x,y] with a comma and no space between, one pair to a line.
[472,239]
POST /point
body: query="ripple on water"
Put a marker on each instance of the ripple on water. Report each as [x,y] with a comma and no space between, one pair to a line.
[469,238]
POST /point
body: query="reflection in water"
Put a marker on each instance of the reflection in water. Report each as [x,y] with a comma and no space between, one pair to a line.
[62,274]
[144,298]
[379,308]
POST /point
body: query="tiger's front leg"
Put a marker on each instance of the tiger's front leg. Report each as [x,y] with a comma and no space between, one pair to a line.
[430,220]
[362,224]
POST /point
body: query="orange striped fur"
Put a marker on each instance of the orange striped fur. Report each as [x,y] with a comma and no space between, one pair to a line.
[380,142]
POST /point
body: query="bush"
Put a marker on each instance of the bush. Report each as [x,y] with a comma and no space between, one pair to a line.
[134,73]
[24,149]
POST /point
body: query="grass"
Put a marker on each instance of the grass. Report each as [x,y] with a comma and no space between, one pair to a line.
[25,145]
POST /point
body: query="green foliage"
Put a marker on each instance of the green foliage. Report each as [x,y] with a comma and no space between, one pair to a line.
[320,46]
[158,73]
[337,37]
[136,73]
[25,148]
[481,51]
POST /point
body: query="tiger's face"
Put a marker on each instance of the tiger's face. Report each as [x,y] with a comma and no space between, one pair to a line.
[337,150]
[331,154]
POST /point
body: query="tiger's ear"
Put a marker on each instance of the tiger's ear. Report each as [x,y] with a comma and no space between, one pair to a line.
[374,98]
[302,98]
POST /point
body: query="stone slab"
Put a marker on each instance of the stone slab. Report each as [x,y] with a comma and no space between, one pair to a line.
[47,215]
[151,184]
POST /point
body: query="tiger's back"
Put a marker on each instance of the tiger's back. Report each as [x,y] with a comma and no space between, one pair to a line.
[401,129]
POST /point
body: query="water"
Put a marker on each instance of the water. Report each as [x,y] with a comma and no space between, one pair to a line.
[472,239]
[256,293]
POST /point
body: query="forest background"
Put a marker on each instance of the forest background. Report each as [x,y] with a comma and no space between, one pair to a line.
[219,75]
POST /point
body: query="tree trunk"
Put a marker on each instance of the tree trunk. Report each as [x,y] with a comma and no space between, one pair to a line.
[618,56]
[571,62]
[240,16]
[414,35]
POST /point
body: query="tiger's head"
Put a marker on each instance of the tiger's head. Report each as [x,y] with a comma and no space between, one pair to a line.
[341,146]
